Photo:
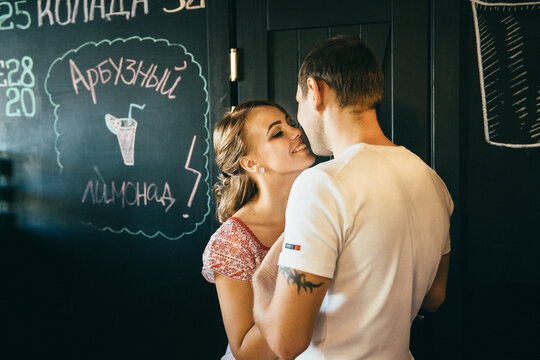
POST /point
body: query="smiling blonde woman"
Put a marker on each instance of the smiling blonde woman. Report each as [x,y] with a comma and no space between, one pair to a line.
[260,153]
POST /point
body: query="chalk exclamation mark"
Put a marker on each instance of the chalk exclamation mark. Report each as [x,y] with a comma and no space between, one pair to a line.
[196,185]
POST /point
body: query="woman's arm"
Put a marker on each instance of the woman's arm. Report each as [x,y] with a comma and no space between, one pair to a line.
[236,303]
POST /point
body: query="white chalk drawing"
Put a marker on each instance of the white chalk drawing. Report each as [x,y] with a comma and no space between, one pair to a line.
[199,175]
[125,130]
[112,198]
[508,49]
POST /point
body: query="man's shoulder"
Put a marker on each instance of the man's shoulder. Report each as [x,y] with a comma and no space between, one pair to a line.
[318,183]
[319,174]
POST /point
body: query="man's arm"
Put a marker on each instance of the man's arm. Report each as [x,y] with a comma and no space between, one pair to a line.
[437,293]
[286,317]
[287,300]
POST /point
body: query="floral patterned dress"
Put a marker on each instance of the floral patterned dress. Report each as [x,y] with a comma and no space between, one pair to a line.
[233,251]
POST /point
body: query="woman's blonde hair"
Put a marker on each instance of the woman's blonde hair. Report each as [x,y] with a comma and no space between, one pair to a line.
[234,187]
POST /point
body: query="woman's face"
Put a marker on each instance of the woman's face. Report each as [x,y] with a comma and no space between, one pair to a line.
[276,143]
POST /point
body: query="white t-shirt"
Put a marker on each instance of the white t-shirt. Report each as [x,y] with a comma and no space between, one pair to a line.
[376,221]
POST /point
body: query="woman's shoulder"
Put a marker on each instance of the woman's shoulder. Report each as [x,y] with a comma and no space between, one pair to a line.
[232,251]
[235,231]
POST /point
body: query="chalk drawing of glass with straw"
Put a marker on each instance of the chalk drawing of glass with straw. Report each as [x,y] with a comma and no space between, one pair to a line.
[124,129]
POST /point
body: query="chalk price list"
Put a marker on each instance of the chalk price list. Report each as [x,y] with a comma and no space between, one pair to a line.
[17,78]
[13,16]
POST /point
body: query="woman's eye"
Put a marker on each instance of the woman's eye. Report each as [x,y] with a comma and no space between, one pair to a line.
[278,134]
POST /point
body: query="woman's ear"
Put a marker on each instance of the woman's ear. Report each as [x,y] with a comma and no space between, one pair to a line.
[248,164]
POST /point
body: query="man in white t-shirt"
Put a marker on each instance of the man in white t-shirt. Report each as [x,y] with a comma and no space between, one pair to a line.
[366,241]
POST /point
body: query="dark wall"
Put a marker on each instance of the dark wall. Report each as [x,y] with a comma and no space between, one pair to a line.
[500,207]
[89,271]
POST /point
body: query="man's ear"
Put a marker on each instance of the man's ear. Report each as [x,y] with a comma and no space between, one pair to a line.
[248,164]
[316,91]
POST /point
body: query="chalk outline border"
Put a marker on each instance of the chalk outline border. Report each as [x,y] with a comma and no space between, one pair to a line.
[480,70]
[207,140]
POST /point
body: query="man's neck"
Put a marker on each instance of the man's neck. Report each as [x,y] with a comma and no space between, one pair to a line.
[348,126]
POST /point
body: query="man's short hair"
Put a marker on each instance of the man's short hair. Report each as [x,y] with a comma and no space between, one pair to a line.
[349,67]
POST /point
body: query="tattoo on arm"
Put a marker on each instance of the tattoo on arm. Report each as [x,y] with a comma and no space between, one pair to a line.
[298,278]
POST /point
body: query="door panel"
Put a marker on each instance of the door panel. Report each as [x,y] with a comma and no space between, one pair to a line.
[352,30]
[288,48]
[286,14]
[274,39]
[410,73]
[252,50]
[307,40]
[283,52]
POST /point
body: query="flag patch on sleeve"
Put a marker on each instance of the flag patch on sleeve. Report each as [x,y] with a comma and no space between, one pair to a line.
[292,246]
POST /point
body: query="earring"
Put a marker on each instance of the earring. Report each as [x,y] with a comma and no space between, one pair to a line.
[262,170]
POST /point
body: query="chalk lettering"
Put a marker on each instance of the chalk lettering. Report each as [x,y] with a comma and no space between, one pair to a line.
[76,11]
[7,13]
[20,83]
[93,78]
[169,92]
[134,6]
[188,6]
[12,102]
[141,72]
[117,194]
[13,70]
[101,71]
[3,83]
[128,194]
[135,192]
[128,72]
[121,11]
[77,77]
[27,64]
[4,16]
[131,64]
[42,12]
[117,68]
[152,79]
[57,12]
[91,9]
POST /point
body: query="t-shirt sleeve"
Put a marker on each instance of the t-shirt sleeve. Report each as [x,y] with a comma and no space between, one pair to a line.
[447,200]
[450,205]
[314,223]
[228,255]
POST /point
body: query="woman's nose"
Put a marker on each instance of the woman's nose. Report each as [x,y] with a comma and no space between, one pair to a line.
[295,132]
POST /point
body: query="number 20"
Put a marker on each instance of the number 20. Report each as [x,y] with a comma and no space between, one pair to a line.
[19,97]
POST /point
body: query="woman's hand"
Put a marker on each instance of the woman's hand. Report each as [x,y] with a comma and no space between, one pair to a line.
[264,279]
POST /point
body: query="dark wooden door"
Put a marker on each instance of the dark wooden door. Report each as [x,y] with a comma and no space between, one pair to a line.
[274,36]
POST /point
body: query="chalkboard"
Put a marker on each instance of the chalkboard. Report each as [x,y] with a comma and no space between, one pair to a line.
[121,87]
[105,132]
